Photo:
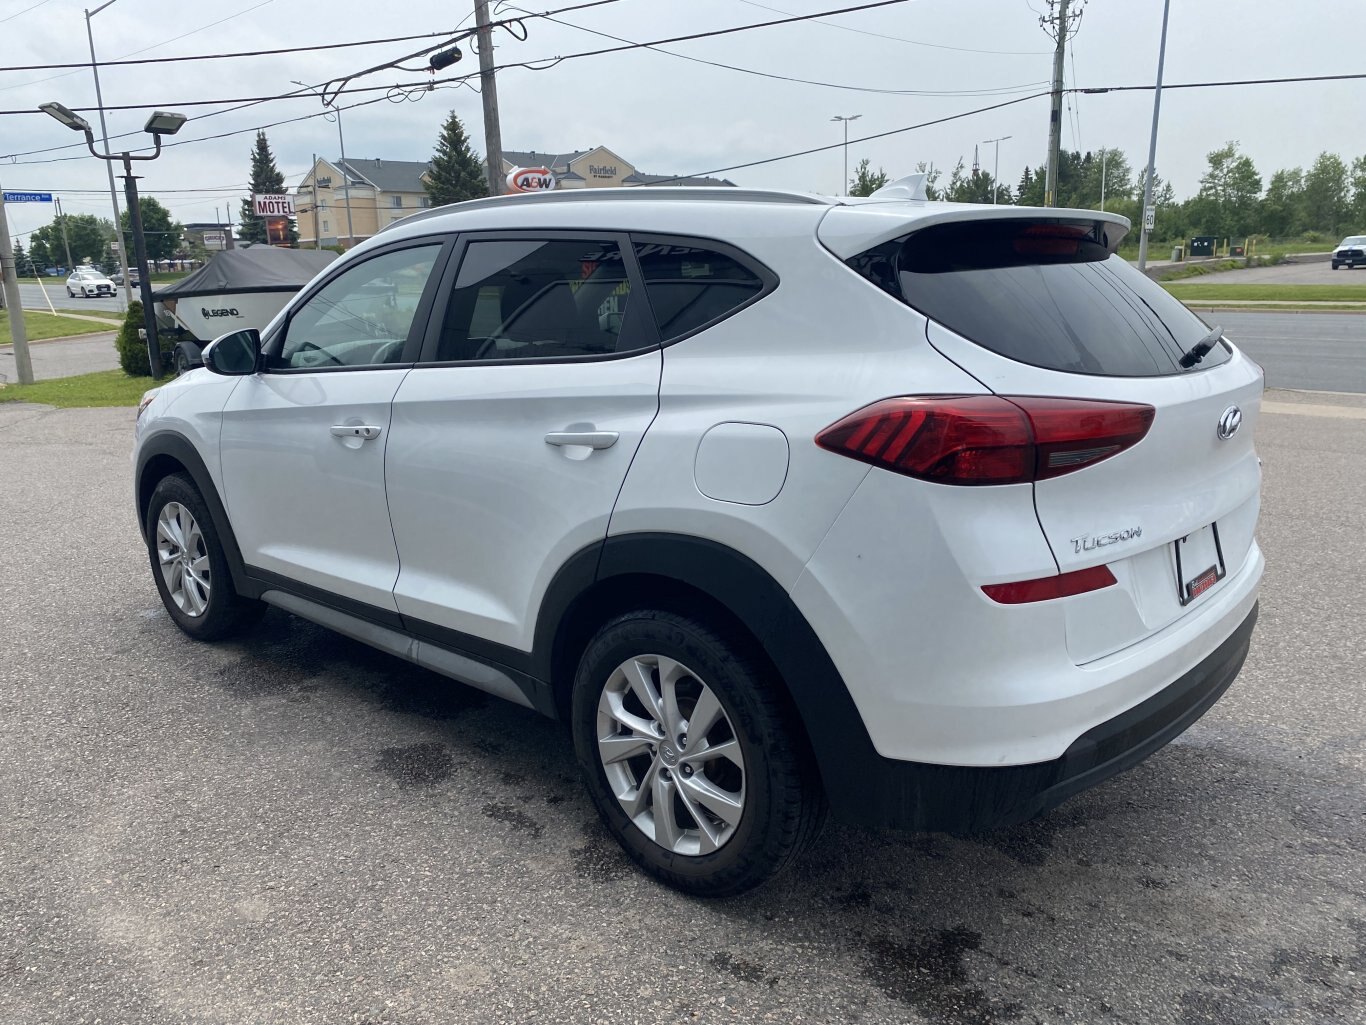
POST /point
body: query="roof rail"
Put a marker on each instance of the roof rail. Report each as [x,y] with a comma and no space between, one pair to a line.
[638,193]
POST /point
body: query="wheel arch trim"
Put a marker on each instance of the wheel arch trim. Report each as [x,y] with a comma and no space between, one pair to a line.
[838,738]
[177,448]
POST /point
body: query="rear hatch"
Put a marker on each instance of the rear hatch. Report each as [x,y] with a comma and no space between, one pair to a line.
[1039,305]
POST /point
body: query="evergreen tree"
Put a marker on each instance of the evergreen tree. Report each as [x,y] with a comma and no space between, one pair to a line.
[23,266]
[457,174]
[265,179]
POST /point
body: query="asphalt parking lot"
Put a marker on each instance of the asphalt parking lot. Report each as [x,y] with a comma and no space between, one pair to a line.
[1300,271]
[294,829]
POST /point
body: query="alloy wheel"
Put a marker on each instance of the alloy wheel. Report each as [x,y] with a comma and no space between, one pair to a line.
[671,755]
[183,558]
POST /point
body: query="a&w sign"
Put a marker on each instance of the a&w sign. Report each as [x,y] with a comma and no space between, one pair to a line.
[273,205]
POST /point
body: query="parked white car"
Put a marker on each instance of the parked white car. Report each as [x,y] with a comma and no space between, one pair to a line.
[932,514]
[88,283]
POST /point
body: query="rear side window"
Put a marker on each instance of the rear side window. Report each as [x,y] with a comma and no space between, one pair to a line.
[1046,293]
[539,299]
[693,285]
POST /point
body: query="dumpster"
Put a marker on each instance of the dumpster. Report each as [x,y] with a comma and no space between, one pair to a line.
[1203,245]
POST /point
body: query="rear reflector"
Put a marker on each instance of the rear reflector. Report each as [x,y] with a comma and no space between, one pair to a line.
[987,439]
[1045,588]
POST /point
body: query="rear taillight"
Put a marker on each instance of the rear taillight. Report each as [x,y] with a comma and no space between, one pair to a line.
[987,439]
[1063,585]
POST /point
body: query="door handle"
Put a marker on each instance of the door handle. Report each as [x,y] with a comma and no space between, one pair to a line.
[592,439]
[362,431]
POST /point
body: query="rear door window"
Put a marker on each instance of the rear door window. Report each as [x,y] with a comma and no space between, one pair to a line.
[693,284]
[538,298]
[1046,293]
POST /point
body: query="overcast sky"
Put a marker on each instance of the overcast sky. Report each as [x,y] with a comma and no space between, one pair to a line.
[668,115]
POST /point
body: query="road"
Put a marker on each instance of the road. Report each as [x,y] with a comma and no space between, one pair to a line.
[1319,351]
[31,295]
[1307,273]
[291,828]
[63,357]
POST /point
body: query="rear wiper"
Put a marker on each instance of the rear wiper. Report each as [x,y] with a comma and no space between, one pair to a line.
[1201,349]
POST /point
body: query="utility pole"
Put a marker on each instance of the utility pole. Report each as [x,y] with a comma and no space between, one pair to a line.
[1152,144]
[493,132]
[23,364]
[1061,24]
[66,244]
[317,238]
[1104,153]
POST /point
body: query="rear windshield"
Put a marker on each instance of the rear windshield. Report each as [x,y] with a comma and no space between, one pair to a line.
[1046,293]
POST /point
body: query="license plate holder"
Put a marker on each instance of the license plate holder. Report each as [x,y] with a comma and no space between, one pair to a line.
[1199,563]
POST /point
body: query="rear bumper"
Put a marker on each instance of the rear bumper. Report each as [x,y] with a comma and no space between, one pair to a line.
[963,799]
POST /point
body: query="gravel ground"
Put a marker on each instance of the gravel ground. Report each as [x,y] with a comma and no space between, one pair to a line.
[294,829]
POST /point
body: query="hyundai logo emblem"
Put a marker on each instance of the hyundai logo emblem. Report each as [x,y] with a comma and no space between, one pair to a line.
[1229,423]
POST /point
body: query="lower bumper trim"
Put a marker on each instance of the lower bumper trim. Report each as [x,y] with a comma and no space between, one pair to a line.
[967,799]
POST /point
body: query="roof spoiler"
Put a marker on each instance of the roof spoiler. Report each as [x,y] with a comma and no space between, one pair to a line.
[910,187]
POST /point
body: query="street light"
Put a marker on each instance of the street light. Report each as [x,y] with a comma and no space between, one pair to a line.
[346,174]
[161,123]
[104,137]
[996,165]
[846,120]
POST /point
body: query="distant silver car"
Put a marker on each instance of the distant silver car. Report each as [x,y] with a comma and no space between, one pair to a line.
[1351,252]
[88,282]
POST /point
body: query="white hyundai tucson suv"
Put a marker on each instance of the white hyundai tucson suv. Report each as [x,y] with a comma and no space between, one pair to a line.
[930,514]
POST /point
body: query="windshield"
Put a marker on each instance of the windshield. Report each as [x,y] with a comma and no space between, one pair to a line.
[1353,240]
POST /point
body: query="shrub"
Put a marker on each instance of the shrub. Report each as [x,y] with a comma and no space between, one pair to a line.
[132,348]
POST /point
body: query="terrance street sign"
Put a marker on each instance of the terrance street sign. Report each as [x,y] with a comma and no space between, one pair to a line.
[28,197]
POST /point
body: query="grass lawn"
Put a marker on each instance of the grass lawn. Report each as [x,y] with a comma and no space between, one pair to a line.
[1200,304]
[106,388]
[1270,293]
[38,326]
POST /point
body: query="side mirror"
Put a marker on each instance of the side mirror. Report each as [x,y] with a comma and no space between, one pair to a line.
[235,354]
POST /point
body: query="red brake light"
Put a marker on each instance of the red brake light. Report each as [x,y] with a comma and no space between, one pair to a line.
[1063,585]
[987,439]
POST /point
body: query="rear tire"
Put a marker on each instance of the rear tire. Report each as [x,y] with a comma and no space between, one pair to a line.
[188,564]
[743,798]
[182,362]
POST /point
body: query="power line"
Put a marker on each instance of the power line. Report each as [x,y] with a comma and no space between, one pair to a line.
[902,39]
[1219,84]
[838,145]
[227,56]
[548,62]
[24,11]
[1004,90]
[183,35]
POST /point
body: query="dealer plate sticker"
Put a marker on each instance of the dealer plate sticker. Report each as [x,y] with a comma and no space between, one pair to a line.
[1199,563]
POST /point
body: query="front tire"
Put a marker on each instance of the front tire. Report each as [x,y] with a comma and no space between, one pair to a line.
[693,760]
[188,564]
[182,362]
[1335,265]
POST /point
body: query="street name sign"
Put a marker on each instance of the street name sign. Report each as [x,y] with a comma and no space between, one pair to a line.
[28,197]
